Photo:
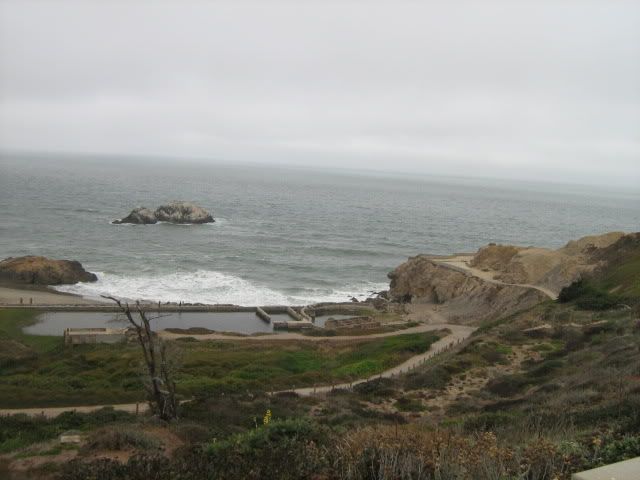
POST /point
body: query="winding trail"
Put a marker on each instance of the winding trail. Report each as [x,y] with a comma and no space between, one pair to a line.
[278,337]
[458,334]
[51,412]
[461,264]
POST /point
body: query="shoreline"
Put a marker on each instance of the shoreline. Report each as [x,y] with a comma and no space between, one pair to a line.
[44,297]
[39,295]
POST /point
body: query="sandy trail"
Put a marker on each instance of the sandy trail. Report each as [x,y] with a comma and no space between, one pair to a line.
[462,263]
[51,412]
[278,337]
[458,334]
[12,296]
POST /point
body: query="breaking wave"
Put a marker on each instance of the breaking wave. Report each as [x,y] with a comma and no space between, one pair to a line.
[209,287]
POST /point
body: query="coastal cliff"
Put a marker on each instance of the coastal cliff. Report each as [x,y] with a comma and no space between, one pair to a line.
[459,296]
[501,279]
[551,269]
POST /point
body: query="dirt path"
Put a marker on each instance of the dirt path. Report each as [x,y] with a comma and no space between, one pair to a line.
[461,263]
[299,336]
[51,412]
[12,296]
[458,334]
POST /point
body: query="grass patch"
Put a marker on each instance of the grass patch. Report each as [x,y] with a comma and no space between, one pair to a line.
[20,431]
[12,321]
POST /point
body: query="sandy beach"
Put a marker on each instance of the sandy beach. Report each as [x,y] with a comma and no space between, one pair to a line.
[40,296]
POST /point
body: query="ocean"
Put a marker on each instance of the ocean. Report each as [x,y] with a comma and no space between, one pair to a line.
[282,235]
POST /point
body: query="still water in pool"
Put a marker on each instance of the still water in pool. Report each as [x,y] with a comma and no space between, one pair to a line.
[54,323]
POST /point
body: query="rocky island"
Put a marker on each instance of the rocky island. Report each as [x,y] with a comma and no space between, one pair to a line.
[174,212]
[34,270]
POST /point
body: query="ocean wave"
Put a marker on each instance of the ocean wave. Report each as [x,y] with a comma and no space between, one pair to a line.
[210,287]
[216,222]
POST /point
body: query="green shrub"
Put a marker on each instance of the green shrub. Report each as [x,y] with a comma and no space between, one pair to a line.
[488,421]
[119,438]
[622,449]
[545,368]
[191,433]
[19,431]
[405,404]
[288,449]
[382,387]
[139,467]
[508,385]
[436,378]
[587,297]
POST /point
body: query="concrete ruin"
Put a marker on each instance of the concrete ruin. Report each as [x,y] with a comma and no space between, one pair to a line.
[351,323]
[80,336]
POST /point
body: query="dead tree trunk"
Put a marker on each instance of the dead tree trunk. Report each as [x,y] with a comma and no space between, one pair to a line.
[160,388]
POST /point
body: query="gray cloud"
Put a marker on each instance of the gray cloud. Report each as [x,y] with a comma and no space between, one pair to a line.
[528,89]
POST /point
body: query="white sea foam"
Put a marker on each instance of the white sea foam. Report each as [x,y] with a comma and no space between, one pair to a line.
[209,287]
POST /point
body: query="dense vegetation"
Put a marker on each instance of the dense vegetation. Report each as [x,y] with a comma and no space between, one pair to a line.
[588,296]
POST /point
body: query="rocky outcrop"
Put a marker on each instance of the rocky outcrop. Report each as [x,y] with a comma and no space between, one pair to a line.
[460,296]
[174,212]
[139,216]
[502,279]
[183,212]
[590,243]
[622,250]
[43,271]
[494,257]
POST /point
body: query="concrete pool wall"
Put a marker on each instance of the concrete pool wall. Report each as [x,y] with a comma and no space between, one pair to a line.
[54,320]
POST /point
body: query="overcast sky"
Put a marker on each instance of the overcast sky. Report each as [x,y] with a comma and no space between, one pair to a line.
[516,89]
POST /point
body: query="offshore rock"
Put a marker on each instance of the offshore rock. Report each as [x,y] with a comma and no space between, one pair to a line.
[182,212]
[174,212]
[139,216]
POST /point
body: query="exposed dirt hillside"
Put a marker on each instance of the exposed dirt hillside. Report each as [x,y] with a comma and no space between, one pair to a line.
[501,279]
[552,269]
[461,297]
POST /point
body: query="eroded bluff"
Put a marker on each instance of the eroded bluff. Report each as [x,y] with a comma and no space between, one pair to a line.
[460,296]
[552,269]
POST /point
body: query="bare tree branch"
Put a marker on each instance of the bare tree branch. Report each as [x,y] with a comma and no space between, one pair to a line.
[162,400]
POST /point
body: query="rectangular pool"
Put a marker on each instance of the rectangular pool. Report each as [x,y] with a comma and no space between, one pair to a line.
[54,323]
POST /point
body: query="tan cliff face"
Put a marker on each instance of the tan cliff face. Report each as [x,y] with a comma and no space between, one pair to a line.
[460,297]
[499,279]
[552,269]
